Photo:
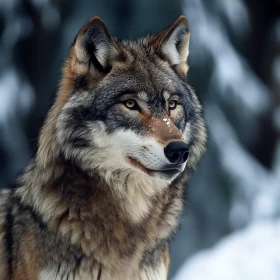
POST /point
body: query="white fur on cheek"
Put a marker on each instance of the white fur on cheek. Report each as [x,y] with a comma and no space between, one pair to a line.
[113,150]
[135,187]
[187,133]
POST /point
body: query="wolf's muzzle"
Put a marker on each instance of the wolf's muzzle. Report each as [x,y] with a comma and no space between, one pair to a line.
[177,152]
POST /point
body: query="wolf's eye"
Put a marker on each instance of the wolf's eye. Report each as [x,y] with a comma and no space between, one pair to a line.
[131,104]
[172,104]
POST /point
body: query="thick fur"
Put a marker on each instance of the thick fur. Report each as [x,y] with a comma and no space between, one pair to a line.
[96,203]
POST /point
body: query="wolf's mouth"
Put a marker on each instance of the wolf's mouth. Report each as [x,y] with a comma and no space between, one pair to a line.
[168,173]
[138,165]
[169,170]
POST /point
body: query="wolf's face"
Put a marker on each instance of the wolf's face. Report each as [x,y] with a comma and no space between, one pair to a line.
[130,110]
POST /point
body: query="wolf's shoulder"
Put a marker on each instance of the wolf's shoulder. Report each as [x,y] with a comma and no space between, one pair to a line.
[4,201]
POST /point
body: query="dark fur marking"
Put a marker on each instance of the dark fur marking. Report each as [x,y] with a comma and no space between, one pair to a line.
[151,257]
[79,142]
[58,269]
[9,235]
[64,274]
[95,62]
[26,208]
[99,273]
[127,251]
[80,83]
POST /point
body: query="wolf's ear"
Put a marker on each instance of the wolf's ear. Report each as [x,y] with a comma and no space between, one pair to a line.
[95,49]
[173,44]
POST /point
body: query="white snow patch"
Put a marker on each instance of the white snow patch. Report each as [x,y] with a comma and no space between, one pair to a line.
[250,254]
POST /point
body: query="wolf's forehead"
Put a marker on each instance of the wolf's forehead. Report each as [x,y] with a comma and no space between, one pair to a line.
[147,83]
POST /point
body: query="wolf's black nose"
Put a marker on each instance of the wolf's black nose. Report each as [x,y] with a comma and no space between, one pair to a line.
[177,152]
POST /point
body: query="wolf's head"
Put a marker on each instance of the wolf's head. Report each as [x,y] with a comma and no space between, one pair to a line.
[124,107]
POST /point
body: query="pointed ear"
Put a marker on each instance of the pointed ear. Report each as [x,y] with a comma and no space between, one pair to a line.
[95,49]
[173,44]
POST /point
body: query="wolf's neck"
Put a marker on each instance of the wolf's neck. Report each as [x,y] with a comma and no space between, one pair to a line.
[86,207]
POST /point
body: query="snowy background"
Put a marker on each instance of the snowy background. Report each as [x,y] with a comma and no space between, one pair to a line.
[231,225]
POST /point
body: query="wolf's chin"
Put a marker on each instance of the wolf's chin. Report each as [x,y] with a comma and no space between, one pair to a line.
[167,176]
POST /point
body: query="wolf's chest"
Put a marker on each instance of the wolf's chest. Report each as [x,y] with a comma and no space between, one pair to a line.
[97,272]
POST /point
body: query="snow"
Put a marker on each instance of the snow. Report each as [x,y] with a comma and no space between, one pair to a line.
[249,254]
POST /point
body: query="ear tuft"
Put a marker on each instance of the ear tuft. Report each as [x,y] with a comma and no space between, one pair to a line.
[94,46]
[173,44]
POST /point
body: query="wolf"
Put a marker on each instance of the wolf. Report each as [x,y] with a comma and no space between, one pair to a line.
[104,193]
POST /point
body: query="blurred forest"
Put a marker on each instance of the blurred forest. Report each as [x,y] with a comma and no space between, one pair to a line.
[231,225]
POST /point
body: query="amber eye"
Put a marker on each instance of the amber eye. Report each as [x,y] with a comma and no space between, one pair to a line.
[172,104]
[131,104]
